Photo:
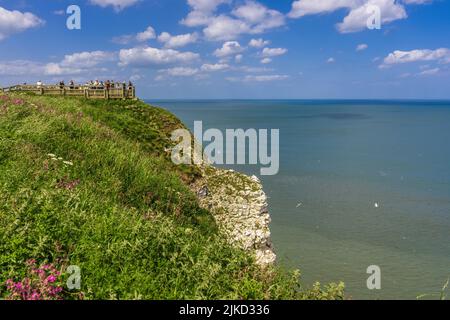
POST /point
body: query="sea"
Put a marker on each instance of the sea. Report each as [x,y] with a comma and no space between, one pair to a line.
[361,184]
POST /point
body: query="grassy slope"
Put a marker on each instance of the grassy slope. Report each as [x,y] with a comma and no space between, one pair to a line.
[122,212]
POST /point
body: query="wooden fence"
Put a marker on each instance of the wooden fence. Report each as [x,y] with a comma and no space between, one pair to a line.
[125,92]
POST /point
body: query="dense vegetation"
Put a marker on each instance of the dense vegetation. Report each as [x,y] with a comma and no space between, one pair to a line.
[89,183]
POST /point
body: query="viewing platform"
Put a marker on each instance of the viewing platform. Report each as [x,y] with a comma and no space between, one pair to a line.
[123,92]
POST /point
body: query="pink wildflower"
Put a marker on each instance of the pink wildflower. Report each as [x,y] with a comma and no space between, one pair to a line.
[42,284]
[18,101]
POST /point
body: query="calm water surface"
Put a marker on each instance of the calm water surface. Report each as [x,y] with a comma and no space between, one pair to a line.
[337,160]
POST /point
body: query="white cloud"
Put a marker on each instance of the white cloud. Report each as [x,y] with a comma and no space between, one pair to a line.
[250,17]
[273,52]
[251,11]
[225,28]
[196,19]
[359,11]
[258,43]
[20,68]
[361,47]
[177,41]
[202,12]
[266,60]
[12,22]
[331,60]
[32,68]
[302,8]
[148,56]
[266,78]
[80,62]
[146,35]
[238,58]
[258,78]
[430,72]
[124,39]
[87,59]
[118,5]
[358,17]
[441,55]
[181,71]
[72,64]
[206,5]
[228,48]
[135,77]
[417,1]
[254,69]
[56,69]
[160,77]
[214,67]
[143,36]
[259,17]
[405,75]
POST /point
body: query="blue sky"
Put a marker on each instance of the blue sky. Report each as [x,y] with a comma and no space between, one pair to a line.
[204,48]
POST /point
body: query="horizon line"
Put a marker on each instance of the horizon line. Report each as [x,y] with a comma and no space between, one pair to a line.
[301,99]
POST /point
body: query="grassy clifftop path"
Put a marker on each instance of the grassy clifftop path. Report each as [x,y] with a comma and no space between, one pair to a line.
[90,184]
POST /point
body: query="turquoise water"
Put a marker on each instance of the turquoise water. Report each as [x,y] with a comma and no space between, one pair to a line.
[337,160]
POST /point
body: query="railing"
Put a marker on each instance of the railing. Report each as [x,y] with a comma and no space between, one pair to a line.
[89,92]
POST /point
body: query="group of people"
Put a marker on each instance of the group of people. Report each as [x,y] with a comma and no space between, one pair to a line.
[108,84]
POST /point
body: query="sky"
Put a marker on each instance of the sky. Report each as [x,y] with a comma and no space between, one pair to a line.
[234,49]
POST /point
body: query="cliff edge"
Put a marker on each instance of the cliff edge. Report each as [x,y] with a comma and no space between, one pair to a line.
[239,206]
[91,184]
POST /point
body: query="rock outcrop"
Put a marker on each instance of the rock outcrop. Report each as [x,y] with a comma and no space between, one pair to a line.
[240,208]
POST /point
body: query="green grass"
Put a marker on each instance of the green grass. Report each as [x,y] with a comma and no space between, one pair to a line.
[122,212]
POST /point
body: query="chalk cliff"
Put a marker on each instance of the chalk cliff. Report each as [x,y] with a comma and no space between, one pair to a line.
[240,208]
